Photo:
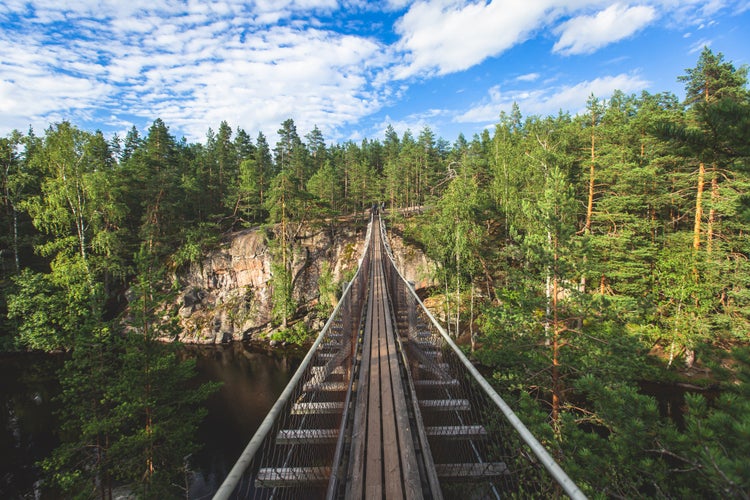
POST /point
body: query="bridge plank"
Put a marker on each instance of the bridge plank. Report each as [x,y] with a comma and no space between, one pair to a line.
[436,384]
[326,387]
[374,467]
[470,471]
[317,408]
[457,431]
[307,436]
[292,476]
[389,390]
[355,482]
[445,404]
[412,486]
[389,468]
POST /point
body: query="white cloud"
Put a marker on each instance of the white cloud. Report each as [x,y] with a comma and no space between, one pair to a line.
[439,37]
[586,34]
[528,77]
[442,37]
[551,100]
[191,69]
[255,63]
[413,123]
[698,46]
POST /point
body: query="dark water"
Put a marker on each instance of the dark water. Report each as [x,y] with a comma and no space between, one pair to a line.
[252,380]
[28,384]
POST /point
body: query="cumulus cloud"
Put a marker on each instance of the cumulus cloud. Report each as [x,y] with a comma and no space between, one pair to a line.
[585,34]
[192,66]
[442,37]
[439,37]
[255,63]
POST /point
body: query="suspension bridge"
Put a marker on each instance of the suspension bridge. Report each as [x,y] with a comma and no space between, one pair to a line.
[385,405]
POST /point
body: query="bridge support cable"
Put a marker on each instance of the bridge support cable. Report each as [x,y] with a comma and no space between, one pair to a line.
[292,452]
[479,446]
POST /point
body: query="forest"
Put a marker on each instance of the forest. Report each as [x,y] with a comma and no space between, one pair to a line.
[578,256]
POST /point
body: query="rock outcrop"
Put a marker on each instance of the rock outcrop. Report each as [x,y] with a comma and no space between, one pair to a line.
[227,296]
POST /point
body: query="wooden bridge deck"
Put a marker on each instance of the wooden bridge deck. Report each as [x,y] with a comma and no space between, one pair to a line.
[394,413]
[384,460]
[372,424]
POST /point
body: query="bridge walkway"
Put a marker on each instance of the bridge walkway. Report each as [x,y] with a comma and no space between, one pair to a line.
[384,461]
[386,406]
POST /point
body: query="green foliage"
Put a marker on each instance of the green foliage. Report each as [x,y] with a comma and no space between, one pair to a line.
[198,241]
[283,304]
[716,439]
[40,312]
[327,290]
[297,334]
[83,463]
[325,187]
[611,445]
[129,410]
[49,310]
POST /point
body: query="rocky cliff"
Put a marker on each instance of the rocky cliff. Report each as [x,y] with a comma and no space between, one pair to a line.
[227,296]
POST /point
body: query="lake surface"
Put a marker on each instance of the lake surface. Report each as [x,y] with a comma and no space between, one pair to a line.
[252,378]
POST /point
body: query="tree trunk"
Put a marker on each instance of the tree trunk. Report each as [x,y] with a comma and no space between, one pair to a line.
[555,361]
[283,259]
[458,294]
[592,172]
[471,321]
[712,211]
[699,208]
[548,296]
[15,240]
[590,204]
[447,307]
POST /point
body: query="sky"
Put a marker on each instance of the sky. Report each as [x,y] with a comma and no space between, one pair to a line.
[349,67]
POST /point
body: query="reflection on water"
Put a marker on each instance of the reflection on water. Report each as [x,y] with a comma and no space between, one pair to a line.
[252,380]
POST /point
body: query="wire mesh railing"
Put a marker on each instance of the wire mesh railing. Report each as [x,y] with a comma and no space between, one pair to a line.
[479,447]
[292,452]
[472,444]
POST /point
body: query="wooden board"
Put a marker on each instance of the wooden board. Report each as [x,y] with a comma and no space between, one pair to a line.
[384,463]
[471,471]
[317,408]
[445,404]
[307,436]
[292,476]
[457,431]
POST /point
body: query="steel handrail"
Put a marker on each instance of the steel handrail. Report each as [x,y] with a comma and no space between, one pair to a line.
[531,441]
[235,475]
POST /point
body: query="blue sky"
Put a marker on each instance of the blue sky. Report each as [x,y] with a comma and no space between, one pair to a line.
[351,67]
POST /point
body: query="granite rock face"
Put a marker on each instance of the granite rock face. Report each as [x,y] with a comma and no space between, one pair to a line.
[227,296]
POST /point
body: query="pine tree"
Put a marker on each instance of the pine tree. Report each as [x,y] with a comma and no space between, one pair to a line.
[156,412]
[287,207]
